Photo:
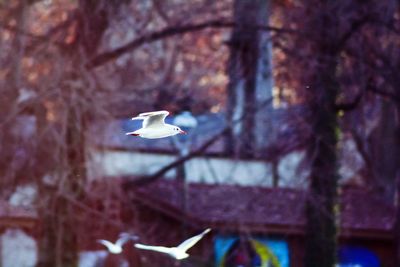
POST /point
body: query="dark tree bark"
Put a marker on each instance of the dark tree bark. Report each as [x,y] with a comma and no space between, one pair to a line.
[249,75]
[58,245]
[73,187]
[397,180]
[59,242]
[396,228]
[320,250]
[47,242]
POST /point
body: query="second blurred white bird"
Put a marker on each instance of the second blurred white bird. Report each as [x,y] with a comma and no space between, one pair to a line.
[178,252]
[116,248]
[154,126]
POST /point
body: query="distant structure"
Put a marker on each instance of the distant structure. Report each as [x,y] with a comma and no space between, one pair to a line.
[250,80]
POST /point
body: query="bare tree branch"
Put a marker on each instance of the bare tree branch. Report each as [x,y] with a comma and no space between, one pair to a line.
[169,32]
[181,160]
[354,28]
[350,105]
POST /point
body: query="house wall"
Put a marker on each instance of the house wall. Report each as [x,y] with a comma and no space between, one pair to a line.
[17,249]
[155,227]
[211,170]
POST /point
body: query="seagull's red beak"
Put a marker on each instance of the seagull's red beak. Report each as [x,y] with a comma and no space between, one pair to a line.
[182,132]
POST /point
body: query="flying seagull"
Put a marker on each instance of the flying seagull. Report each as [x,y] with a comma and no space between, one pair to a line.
[154,126]
[116,248]
[178,252]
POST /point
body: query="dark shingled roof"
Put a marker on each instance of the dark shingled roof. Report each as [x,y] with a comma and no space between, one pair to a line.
[16,216]
[9,211]
[271,210]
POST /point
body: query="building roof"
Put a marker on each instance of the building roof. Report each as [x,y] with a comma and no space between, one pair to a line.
[269,210]
[16,216]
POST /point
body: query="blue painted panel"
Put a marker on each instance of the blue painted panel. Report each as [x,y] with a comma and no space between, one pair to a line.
[221,247]
[280,249]
[354,256]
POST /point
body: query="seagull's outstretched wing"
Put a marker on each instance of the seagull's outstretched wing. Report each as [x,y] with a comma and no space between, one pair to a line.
[122,240]
[185,245]
[106,243]
[153,248]
[152,118]
[128,236]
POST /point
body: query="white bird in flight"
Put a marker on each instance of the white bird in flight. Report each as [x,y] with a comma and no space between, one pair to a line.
[116,248]
[178,252]
[154,126]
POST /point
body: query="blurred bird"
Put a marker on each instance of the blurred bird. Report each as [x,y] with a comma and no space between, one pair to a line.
[154,126]
[116,248]
[178,252]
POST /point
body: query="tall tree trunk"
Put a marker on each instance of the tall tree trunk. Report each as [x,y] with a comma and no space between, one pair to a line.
[73,186]
[250,80]
[396,228]
[59,243]
[397,183]
[320,250]
[58,246]
[48,236]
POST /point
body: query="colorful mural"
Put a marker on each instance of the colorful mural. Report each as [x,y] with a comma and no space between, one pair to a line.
[354,256]
[232,251]
[235,251]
